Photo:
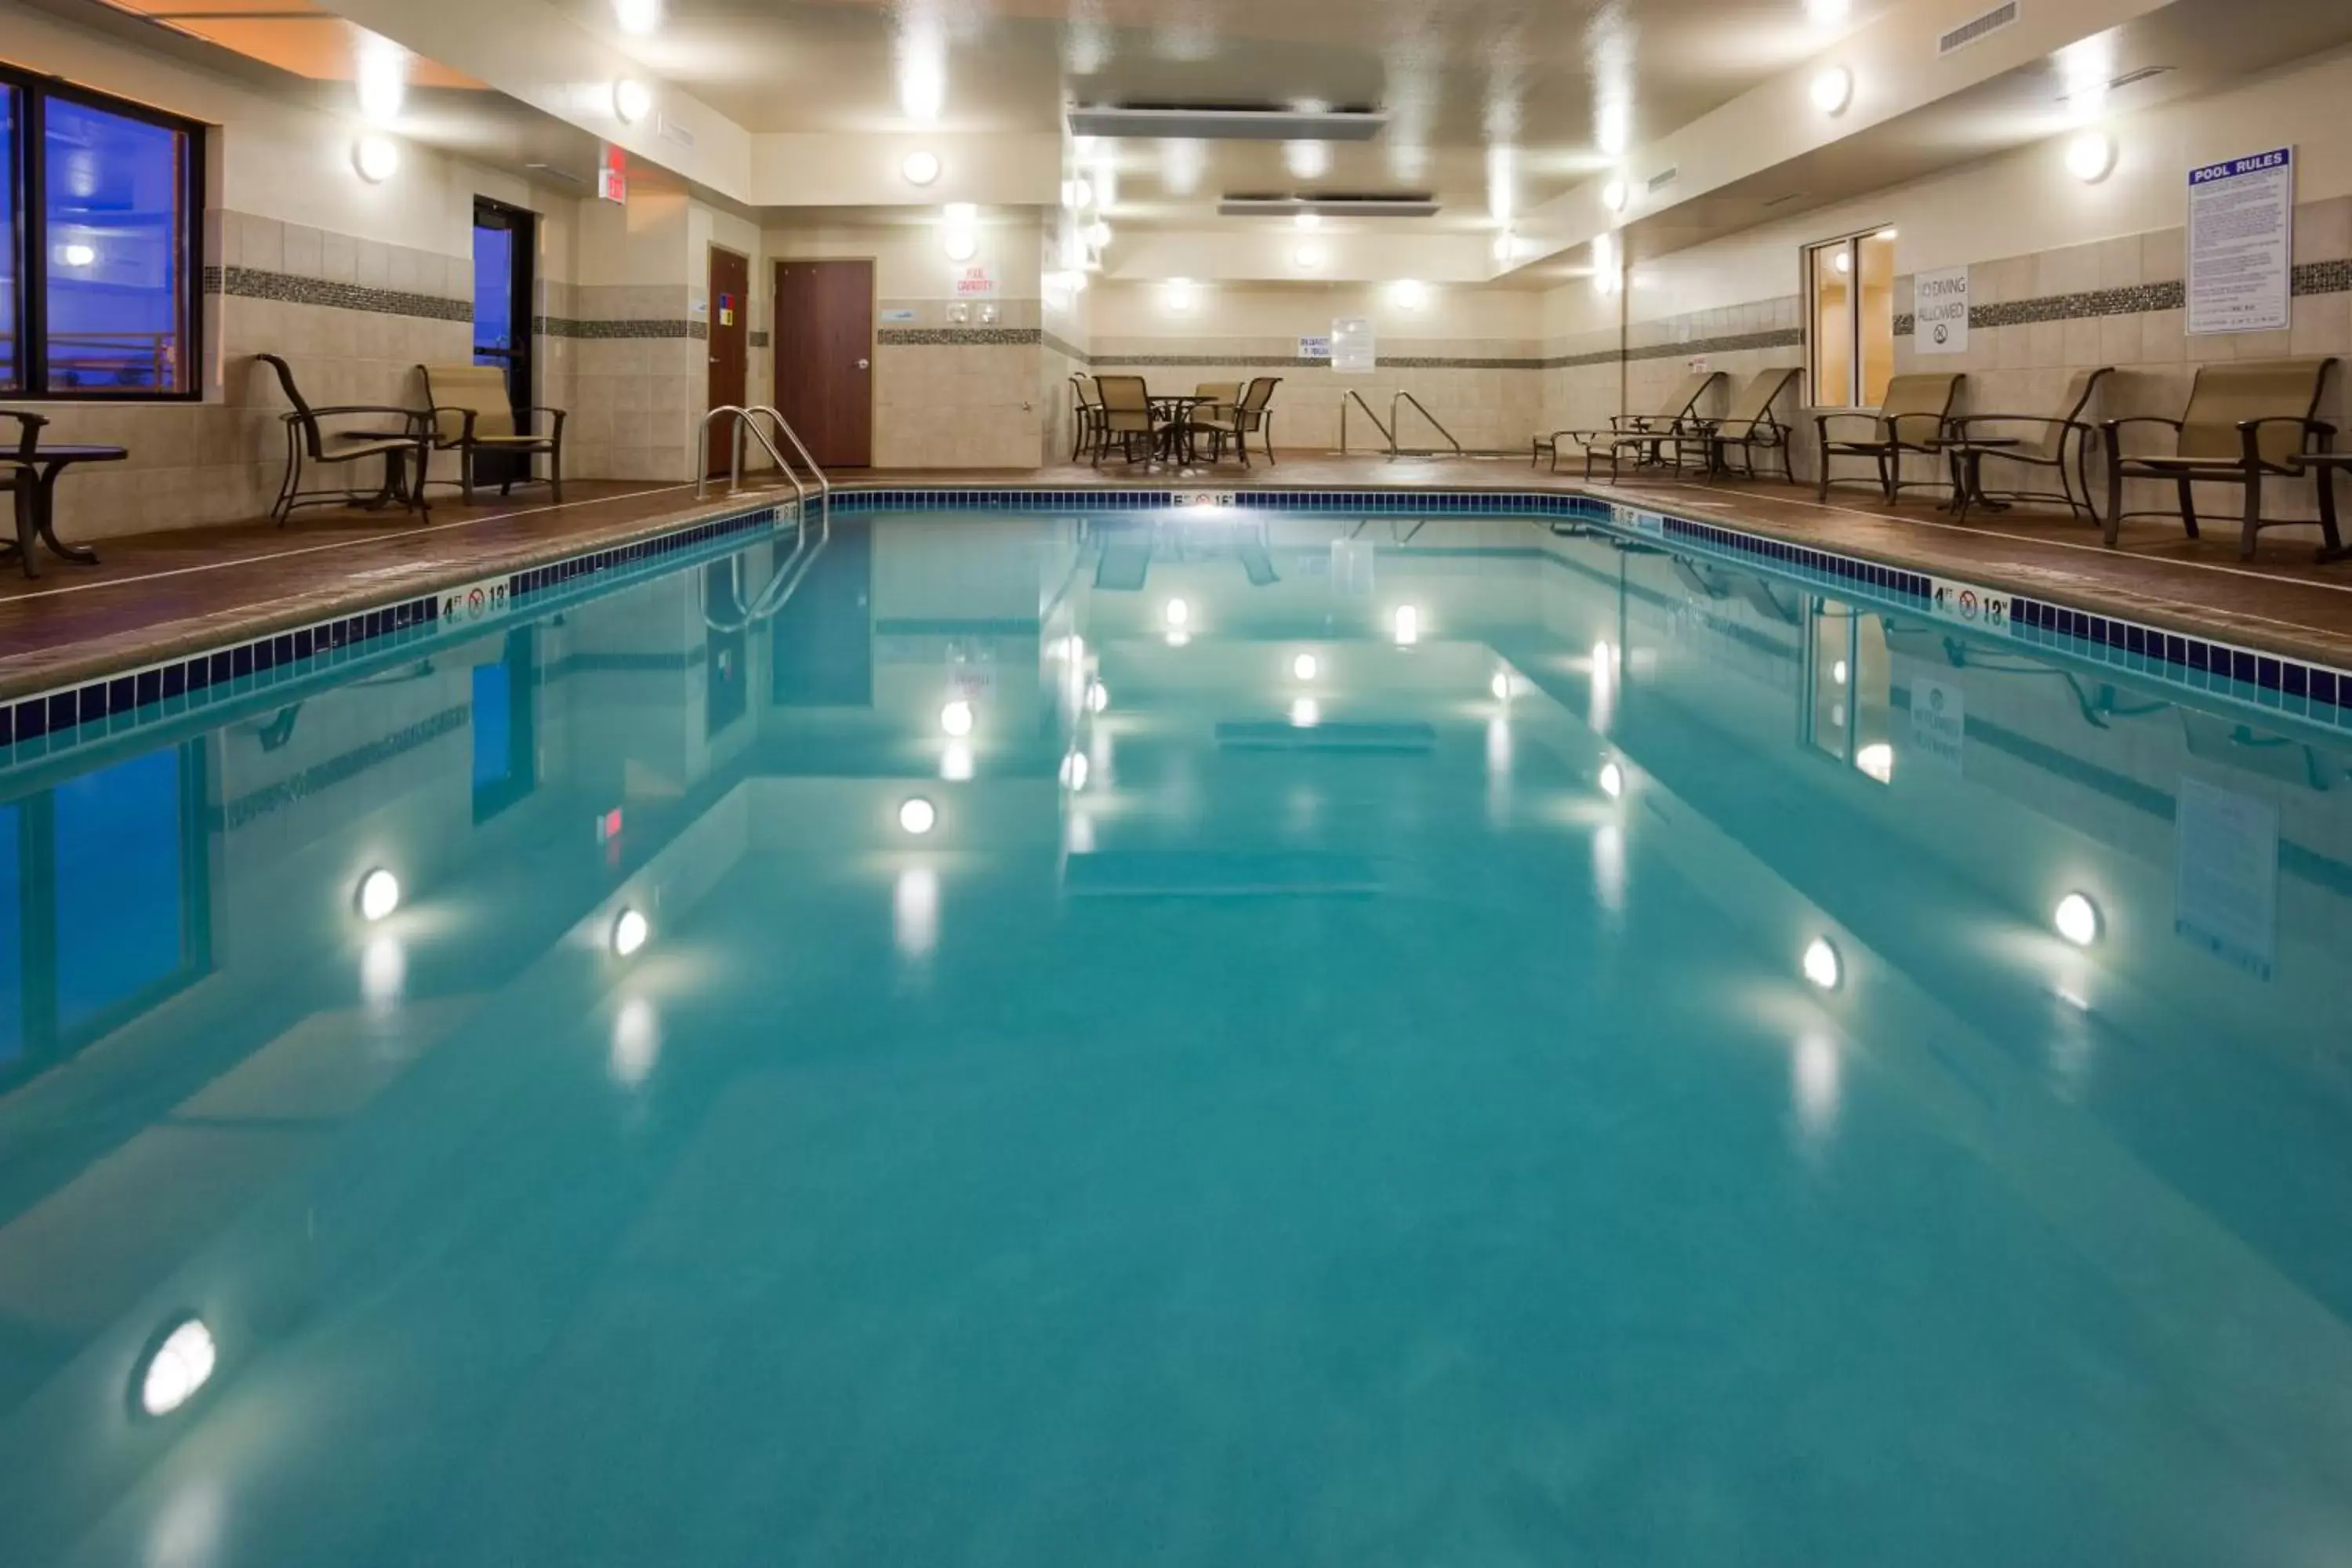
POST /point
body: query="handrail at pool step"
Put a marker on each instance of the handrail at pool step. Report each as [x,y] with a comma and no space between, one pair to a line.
[1396,423]
[1357,399]
[748,420]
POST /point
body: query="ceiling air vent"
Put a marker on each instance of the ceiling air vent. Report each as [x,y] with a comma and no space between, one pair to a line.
[671,130]
[1983,26]
[1785,200]
[1230,124]
[1662,179]
[1379,203]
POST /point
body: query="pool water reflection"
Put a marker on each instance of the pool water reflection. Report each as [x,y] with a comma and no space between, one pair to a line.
[1333,1041]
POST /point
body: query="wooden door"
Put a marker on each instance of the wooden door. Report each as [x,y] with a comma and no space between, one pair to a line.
[730,312]
[825,358]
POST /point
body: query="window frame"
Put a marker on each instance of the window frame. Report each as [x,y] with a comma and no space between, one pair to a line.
[28,236]
[1812,254]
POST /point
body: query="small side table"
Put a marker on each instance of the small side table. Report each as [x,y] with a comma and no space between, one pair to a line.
[1967,454]
[33,478]
[2322,466]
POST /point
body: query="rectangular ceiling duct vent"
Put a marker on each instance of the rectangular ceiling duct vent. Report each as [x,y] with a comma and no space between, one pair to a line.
[1663,178]
[671,130]
[1230,124]
[1979,27]
[1398,204]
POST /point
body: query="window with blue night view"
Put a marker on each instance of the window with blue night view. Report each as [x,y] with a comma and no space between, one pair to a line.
[113,232]
[10,330]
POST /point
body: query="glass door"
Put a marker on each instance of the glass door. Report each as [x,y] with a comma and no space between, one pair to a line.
[505,247]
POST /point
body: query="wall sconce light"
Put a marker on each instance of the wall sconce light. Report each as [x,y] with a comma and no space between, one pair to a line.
[377,158]
[631,100]
[2091,156]
[1832,89]
[920,168]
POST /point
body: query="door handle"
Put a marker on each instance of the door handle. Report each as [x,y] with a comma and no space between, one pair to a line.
[861,365]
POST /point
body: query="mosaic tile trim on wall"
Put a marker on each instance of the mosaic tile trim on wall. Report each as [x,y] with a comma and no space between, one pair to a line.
[50,722]
[250,283]
[1732,343]
[648,328]
[2313,278]
[956,337]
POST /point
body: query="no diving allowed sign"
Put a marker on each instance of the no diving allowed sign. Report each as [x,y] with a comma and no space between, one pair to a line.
[1970,605]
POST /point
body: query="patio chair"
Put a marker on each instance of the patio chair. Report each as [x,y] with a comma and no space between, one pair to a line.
[1127,415]
[1749,423]
[2245,420]
[1920,403]
[2059,436]
[1214,418]
[1636,431]
[308,440]
[1086,416]
[1234,422]
[473,413]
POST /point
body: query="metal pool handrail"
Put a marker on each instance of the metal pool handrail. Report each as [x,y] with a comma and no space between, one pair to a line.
[824,484]
[1397,423]
[1357,399]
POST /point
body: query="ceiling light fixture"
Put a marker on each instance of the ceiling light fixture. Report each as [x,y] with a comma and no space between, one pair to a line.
[1831,90]
[379,895]
[377,158]
[631,100]
[2091,156]
[2077,919]
[920,168]
[630,930]
[382,78]
[637,16]
[1827,13]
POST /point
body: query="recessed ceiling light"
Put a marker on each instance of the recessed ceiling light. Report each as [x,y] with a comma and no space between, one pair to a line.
[920,168]
[638,16]
[1831,90]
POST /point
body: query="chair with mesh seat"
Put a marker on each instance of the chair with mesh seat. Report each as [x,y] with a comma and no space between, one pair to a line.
[1253,412]
[1911,418]
[1748,426]
[309,440]
[1086,416]
[1213,417]
[2246,421]
[2060,442]
[1126,417]
[472,414]
[1646,435]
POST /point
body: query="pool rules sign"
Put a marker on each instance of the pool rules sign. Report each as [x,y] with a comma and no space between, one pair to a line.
[2240,216]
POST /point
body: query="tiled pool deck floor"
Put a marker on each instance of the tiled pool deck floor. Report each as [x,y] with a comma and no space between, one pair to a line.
[162,592]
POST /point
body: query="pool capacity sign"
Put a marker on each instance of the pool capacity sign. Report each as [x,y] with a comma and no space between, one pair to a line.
[2241,215]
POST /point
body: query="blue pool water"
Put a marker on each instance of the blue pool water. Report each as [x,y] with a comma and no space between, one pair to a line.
[1337,1082]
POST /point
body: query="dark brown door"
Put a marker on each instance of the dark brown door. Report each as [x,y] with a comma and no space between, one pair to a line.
[730,347]
[825,358]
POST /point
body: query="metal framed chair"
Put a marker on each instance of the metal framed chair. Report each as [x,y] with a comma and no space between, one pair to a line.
[1086,417]
[307,441]
[2061,437]
[1920,402]
[1253,413]
[1126,415]
[1214,418]
[472,414]
[1749,425]
[2245,421]
[1646,434]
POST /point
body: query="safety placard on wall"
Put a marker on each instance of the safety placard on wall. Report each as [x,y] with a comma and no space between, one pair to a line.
[1354,351]
[1939,311]
[974,280]
[2241,243]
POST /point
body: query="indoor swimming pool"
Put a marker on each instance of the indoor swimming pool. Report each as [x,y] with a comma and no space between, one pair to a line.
[1192,1035]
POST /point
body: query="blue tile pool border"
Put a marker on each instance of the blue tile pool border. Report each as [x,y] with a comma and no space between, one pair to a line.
[45,721]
